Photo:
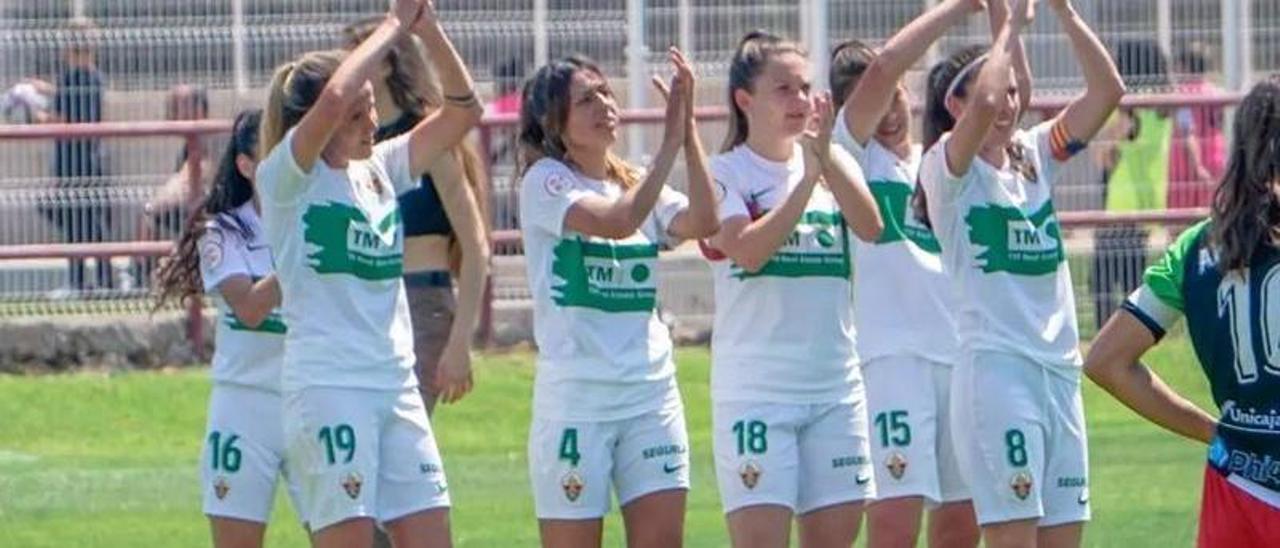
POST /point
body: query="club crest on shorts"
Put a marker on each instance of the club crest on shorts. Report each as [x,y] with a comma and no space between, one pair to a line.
[896,464]
[1021,484]
[572,485]
[750,473]
[221,487]
[351,484]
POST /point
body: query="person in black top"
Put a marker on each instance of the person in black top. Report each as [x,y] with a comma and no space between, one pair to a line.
[445,233]
[80,205]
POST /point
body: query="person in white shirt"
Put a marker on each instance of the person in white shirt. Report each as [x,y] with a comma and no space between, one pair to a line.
[606,411]
[902,300]
[789,410]
[1017,415]
[356,430]
[222,252]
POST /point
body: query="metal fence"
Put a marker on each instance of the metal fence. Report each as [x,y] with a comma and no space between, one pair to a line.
[50,225]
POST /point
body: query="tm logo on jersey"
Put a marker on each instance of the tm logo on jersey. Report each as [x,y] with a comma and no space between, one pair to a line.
[818,247]
[605,275]
[1014,242]
[893,198]
[349,244]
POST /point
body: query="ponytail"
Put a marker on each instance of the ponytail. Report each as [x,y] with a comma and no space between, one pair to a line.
[755,49]
[295,87]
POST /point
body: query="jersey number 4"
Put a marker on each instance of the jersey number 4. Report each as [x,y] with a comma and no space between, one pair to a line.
[1234,299]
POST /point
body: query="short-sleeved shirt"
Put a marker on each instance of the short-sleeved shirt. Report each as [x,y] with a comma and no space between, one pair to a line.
[783,333]
[1229,317]
[339,246]
[903,302]
[234,244]
[1002,245]
[603,353]
[78,100]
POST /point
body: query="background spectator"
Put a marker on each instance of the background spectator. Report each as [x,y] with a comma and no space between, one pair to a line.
[1198,158]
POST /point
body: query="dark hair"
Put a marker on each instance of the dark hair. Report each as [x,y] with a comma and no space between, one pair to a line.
[195,98]
[755,49]
[506,75]
[1142,63]
[178,278]
[848,61]
[1194,58]
[544,110]
[1246,210]
[938,120]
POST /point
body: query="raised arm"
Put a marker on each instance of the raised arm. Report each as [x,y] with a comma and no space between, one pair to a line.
[1104,88]
[700,219]
[343,89]
[999,15]
[843,177]
[874,93]
[620,218]
[462,110]
[987,93]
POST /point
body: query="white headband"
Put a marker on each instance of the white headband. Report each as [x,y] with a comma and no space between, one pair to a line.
[964,72]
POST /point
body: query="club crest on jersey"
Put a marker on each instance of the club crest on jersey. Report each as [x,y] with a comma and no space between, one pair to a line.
[556,185]
[572,485]
[896,464]
[351,484]
[1021,485]
[221,487]
[750,473]
[211,253]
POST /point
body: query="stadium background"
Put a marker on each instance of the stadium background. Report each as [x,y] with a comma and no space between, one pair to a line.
[230,47]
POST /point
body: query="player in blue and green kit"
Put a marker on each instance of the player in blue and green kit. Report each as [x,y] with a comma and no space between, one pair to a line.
[1223,276]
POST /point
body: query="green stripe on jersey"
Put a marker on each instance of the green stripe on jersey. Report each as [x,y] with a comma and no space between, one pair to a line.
[817,247]
[605,275]
[348,244]
[1015,242]
[273,324]
[893,199]
[1165,276]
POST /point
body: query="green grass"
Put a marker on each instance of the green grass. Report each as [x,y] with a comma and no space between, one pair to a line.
[110,460]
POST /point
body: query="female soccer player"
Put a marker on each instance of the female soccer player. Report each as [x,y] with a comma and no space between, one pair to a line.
[606,411]
[789,411]
[222,252]
[1017,416]
[444,225]
[1219,275]
[908,383]
[357,432]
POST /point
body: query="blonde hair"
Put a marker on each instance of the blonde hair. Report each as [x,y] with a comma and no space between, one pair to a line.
[295,87]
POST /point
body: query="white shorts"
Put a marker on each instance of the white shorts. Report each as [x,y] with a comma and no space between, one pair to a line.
[362,453]
[1020,438]
[572,464]
[803,457]
[243,454]
[908,400]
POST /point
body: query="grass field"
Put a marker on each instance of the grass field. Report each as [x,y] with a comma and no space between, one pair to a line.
[110,460]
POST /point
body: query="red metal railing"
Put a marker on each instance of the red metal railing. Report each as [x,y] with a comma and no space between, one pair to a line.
[192,131]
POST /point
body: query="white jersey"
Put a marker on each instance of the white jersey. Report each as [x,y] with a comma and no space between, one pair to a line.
[902,300]
[1002,245]
[603,354]
[783,334]
[338,242]
[233,244]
